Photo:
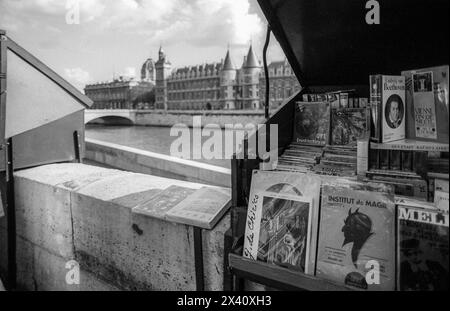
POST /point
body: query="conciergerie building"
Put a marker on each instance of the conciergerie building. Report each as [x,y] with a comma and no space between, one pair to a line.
[219,85]
[213,86]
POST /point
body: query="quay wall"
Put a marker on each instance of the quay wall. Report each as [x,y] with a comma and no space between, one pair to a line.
[140,161]
[94,216]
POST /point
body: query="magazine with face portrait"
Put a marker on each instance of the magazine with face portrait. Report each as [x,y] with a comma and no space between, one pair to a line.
[393,108]
[356,240]
[312,123]
[298,185]
[423,260]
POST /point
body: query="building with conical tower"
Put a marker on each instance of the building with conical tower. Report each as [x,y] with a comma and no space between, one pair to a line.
[210,86]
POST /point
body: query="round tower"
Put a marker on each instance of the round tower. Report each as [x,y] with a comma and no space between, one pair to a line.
[227,83]
[250,87]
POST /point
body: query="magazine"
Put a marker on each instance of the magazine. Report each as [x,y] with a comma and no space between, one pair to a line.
[282,227]
[349,125]
[427,104]
[423,249]
[357,232]
[312,123]
[298,185]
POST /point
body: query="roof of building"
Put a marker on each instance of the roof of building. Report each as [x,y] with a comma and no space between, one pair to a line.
[228,64]
[252,61]
[199,68]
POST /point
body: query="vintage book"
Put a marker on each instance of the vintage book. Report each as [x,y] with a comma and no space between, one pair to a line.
[422,249]
[349,125]
[384,159]
[204,208]
[282,230]
[441,185]
[395,160]
[387,95]
[161,203]
[413,202]
[441,200]
[414,187]
[427,105]
[283,183]
[362,157]
[312,123]
[357,231]
[363,102]
[407,160]
[411,145]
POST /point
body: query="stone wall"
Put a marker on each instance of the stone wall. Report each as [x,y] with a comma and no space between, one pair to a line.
[221,118]
[90,214]
[141,161]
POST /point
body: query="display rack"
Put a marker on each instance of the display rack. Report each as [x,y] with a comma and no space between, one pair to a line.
[327,59]
[411,145]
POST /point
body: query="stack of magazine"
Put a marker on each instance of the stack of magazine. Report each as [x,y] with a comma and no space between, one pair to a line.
[347,232]
[387,229]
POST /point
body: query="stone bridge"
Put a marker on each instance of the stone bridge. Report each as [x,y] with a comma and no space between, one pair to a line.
[110,116]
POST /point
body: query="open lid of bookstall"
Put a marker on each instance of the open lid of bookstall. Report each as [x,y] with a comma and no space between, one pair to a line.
[40,111]
[330,43]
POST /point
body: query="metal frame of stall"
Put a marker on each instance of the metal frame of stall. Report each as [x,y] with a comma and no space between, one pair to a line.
[20,151]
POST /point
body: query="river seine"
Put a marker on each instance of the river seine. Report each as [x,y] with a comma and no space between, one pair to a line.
[149,138]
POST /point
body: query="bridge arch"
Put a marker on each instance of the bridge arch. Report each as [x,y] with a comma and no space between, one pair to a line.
[110,120]
[109,117]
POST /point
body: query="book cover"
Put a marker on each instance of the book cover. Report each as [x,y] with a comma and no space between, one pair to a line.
[312,123]
[162,202]
[388,107]
[283,183]
[357,233]
[283,231]
[427,106]
[423,249]
[349,125]
[441,200]
[203,208]
[424,107]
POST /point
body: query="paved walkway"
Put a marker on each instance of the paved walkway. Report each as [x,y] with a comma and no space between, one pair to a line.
[2,289]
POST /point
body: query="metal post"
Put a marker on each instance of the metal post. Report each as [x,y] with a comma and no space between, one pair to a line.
[11,217]
[77,146]
[198,259]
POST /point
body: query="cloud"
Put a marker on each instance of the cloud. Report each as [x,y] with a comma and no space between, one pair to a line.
[202,22]
[78,77]
[130,72]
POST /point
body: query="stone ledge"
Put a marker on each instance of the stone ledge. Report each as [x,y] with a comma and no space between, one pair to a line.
[147,162]
[74,211]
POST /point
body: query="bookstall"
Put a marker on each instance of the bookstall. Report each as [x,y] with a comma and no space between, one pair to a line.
[360,183]
[41,122]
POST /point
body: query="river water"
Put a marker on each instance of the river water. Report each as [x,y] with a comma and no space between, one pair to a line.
[149,138]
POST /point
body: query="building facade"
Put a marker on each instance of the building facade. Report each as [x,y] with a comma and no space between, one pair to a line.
[211,86]
[121,93]
[282,83]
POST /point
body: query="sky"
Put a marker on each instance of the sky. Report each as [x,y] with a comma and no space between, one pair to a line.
[115,37]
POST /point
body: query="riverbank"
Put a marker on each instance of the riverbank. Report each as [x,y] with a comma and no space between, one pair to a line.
[140,161]
[173,117]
